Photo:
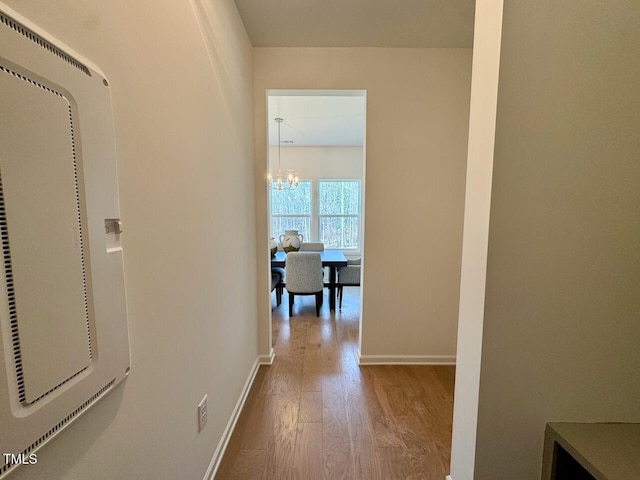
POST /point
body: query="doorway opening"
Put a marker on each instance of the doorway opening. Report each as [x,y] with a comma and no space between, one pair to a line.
[317,137]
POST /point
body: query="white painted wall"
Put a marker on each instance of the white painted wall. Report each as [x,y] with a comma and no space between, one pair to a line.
[183,121]
[320,162]
[417,120]
[562,314]
[482,121]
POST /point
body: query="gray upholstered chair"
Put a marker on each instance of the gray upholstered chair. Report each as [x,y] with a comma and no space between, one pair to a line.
[312,247]
[304,277]
[348,276]
[276,284]
[280,285]
[316,247]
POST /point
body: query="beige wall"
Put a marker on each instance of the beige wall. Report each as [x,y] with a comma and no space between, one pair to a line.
[183,121]
[562,313]
[416,127]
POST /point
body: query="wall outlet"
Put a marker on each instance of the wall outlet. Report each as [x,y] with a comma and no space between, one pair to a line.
[202,413]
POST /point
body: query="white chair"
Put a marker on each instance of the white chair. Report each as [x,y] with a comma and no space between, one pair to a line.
[348,276]
[304,277]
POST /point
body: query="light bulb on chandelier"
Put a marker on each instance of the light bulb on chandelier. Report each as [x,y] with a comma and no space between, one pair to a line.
[287,181]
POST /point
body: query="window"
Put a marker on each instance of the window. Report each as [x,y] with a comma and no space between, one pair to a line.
[339,213]
[327,211]
[291,210]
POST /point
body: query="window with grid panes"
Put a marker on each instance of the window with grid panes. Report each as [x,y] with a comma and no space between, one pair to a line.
[326,211]
[339,213]
[291,210]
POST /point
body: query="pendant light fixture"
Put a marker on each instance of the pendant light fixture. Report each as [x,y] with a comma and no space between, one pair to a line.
[287,181]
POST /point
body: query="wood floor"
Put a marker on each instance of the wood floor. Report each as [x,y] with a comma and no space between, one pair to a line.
[316,414]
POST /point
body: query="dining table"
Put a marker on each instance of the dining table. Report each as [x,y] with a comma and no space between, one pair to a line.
[332,259]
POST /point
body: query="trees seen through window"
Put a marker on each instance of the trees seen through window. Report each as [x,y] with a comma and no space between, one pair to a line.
[327,211]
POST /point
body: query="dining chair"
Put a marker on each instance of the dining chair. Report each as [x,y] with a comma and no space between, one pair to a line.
[281,282]
[316,247]
[276,281]
[348,276]
[304,277]
[312,247]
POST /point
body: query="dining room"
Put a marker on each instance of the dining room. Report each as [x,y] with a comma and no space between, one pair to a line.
[315,188]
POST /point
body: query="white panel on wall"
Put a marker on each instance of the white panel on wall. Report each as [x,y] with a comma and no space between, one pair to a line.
[45,248]
[63,325]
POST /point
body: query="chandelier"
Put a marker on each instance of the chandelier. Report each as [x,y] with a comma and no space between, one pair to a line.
[287,181]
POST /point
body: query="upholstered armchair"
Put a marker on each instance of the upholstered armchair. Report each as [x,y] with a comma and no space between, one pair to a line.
[348,276]
[304,277]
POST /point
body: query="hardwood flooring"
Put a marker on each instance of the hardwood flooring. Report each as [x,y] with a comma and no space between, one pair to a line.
[316,414]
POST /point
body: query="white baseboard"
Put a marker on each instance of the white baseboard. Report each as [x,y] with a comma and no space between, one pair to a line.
[448,477]
[267,359]
[406,359]
[226,435]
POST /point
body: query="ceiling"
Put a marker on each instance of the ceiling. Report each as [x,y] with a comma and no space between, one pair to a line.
[331,119]
[359,23]
[317,120]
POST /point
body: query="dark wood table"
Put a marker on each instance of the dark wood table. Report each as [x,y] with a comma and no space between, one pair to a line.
[333,259]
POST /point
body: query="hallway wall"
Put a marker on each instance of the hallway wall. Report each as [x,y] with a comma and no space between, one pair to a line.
[183,120]
[562,311]
[416,140]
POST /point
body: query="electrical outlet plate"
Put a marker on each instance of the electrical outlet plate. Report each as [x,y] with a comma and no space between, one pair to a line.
[202,414]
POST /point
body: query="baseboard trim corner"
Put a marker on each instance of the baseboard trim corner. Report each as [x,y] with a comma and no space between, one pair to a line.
[214,464]
[267,359]
[406,359]
[448,477]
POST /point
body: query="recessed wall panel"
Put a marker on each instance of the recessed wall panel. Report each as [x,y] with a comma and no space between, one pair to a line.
[44,241]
